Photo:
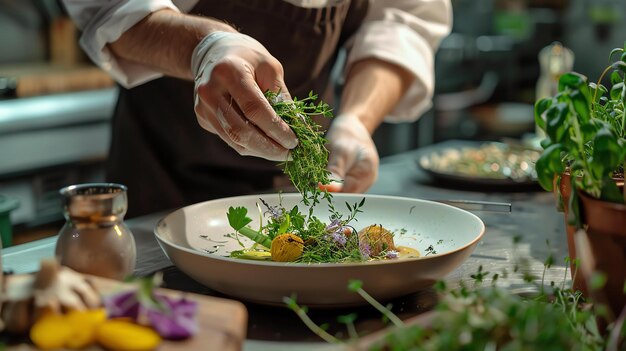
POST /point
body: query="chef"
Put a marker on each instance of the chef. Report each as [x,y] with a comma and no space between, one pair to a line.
[214,59]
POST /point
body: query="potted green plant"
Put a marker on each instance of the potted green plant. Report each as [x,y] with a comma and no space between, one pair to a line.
[585,126]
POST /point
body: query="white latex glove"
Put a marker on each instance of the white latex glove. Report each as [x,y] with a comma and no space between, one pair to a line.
[232,70]
[353,155]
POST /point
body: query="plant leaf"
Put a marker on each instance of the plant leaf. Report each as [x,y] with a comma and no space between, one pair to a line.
[549,165]
[615,51]
[540,107]
[556,122]
[237,217]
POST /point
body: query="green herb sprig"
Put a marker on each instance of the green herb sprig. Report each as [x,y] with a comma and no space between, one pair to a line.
[306,166]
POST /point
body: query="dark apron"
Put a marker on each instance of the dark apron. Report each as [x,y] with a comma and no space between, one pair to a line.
[161,153]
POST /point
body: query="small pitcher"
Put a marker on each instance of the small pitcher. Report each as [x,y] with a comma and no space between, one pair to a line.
[95,240]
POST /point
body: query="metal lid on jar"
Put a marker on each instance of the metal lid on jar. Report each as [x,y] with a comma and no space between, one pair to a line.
[95,202]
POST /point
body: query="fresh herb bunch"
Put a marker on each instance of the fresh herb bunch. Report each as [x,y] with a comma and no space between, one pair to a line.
[334,242]
[306,166]
[585,126]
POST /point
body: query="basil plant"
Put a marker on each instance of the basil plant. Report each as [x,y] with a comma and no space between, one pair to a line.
[585,127]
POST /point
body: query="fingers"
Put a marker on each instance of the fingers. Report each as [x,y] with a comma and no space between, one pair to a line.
[353,157]
[357,172]
[242,132]
[226,120]
[257,110]
[231,105]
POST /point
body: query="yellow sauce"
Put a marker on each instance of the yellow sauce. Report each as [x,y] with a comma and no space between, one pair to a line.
[407,252]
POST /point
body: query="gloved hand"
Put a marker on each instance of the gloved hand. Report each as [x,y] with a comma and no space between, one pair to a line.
[353,155]
[231,72]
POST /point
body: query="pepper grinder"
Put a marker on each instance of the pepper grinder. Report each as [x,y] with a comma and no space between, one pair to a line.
[94,239]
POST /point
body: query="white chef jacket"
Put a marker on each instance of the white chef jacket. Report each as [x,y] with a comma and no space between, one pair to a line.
[402,32]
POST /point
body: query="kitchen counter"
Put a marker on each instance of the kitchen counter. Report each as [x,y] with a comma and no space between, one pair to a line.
[534,219]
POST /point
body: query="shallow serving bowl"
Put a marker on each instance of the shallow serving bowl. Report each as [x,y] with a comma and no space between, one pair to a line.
[194,238]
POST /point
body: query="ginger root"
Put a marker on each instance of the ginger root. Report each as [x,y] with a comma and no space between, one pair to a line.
[27,297]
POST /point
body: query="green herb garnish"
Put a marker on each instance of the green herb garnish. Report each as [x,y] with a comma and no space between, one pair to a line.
[334,242]
[307,165]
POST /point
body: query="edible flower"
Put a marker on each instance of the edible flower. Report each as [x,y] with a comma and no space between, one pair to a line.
[335,231]
[276,212]
[172,318]
[392,254]
[365,249]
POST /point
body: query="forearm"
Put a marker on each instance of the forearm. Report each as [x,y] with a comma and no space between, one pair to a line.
[165,41]
[372,89]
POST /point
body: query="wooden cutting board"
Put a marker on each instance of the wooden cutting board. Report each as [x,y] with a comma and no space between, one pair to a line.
[222,323]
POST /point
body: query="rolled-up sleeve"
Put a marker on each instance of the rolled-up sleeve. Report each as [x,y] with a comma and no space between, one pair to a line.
[405,33]
[103,22]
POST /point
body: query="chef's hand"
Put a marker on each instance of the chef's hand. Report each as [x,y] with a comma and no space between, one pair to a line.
[353,156]
[231,72]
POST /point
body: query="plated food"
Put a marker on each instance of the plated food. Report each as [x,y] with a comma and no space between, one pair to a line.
[198,240]
[489,163]
[291,236]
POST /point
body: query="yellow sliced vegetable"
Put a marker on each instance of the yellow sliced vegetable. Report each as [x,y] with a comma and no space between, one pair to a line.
[122,335]
[84,325]
[51,331]
[287,248]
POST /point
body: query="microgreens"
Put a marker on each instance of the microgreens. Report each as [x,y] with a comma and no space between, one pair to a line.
[488,317]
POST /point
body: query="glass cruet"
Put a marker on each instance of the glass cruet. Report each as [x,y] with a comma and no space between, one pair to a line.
[94,239]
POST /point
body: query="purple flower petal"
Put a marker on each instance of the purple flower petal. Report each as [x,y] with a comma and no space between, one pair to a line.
[276,212]
[172,318]
[392,254]
[334,226]
[178,321]
[339,238]
[365,250]
[124,304]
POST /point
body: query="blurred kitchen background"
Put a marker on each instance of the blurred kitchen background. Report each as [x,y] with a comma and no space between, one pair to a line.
[55,107]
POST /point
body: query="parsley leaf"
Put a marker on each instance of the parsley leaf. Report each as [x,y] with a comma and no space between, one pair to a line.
[237,217]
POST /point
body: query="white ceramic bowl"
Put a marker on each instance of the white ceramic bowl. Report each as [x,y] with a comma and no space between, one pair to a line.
[194,239]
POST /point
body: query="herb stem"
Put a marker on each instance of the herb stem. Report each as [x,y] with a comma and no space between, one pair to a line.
[382,309]
[301,312]
[257,237]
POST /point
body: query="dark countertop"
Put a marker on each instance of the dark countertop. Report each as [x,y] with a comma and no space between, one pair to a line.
[533,218]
